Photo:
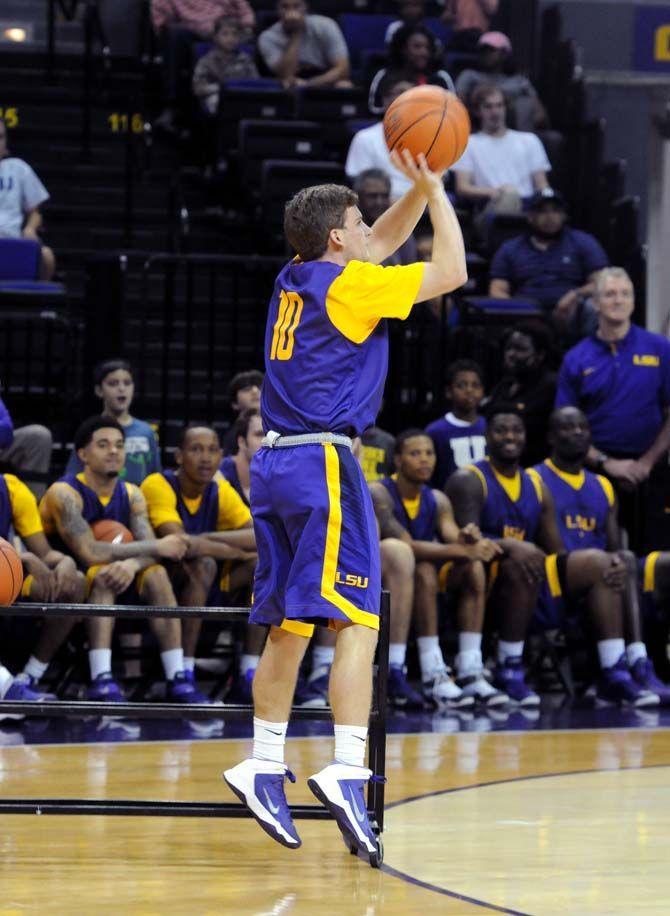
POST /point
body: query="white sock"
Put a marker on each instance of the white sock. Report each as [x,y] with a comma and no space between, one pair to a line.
[430,656]
[269,740]
[248,663]
[173,661]
[610,651]
[350,744]
[509,650]
[322,656]
[189,663]
[5,681]
[397,654]
[635,651]
[99,661]
[469,658]
[35,668]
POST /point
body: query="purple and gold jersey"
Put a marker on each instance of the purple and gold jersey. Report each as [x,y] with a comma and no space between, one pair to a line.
[582,502]
[512,505]
[18,508]
[117,507]
[218,508]
[229,470]
[418,517]
[326,344]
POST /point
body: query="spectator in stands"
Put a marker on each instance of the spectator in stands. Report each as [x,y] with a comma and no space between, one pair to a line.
[459,437]
[244,393]
[411,12]
[527,386]
[553,263]
[620,378]
[195,501]
[375,454]
[373,187]
[440,304]
[25,451]
[469,19]
[179,24]
[495,67]
[115,386]
[414,56]
[226,61]
[69,508]
[368,149]
[500,168]
[302,49]
[21,195]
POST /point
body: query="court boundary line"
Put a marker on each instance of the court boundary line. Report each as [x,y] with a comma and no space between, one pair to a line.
[493,907]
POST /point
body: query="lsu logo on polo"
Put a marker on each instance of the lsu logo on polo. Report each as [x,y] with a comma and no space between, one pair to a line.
[662,43]
[580,523]
[351,579]
[511,531]
[646,359]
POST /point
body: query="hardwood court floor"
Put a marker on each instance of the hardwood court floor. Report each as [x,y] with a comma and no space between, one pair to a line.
[540,823]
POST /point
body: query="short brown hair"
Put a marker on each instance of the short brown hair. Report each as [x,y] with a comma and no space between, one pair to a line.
[483,92]
[312,213]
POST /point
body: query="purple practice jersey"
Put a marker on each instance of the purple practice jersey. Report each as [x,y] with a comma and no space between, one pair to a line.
[326,344]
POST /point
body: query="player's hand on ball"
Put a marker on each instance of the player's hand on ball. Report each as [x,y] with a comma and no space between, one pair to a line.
[429,183]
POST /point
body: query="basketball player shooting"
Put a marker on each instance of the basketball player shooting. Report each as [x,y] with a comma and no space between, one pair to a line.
[326,358]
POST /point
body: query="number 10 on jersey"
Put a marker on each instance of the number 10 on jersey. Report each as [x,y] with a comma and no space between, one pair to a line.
[288,318]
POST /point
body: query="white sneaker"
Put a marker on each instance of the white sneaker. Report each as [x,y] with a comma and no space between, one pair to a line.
[441,689]
[259,784]
[476,686]
[340,787]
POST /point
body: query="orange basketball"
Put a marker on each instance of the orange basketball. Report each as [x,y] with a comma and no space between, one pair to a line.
[113,532]
[428,120]
[11,573]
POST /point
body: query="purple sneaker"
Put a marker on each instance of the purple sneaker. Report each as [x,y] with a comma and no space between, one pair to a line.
[401,694]
[339,787]
[259,784]
[104,689]
[644,674]
[617,686]
[22,690]
[509,677]
[182,689]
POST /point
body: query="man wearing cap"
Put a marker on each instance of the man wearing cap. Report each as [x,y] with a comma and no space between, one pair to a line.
[495,66]
[553,263]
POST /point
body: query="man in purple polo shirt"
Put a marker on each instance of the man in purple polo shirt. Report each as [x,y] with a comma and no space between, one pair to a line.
[551,262]
[620,378]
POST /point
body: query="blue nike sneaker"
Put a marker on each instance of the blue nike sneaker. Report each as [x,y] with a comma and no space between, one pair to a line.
[259,784]
[182,689]
[644,674]
[616,685]
[104,689]
[339,787]
[509,677]
[401,694]
[22,691]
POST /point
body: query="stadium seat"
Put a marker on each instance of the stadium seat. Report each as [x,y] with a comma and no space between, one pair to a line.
[19,259]
[281,179]
[503,226]
[259,140]
[364,32]
[556,148]
[330,104]
[487,310]
[255,101]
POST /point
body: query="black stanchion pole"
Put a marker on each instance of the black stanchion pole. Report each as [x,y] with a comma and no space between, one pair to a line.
[377,747]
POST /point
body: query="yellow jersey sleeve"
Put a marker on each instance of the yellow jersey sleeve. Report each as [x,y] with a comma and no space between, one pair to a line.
[536,480]
[233,512]
[25,514]
[606,484]
[161,500]
[365,293]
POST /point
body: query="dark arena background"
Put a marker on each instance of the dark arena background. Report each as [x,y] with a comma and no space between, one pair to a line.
[147,151]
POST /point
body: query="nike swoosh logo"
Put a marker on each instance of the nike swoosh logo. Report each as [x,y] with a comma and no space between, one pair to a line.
[271,807]
[360,815]
[271,732]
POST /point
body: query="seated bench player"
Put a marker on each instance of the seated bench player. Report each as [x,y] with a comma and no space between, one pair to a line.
[49,576]
[68,509]
[195,500]
[515,508]
[586,512]
[409,510]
